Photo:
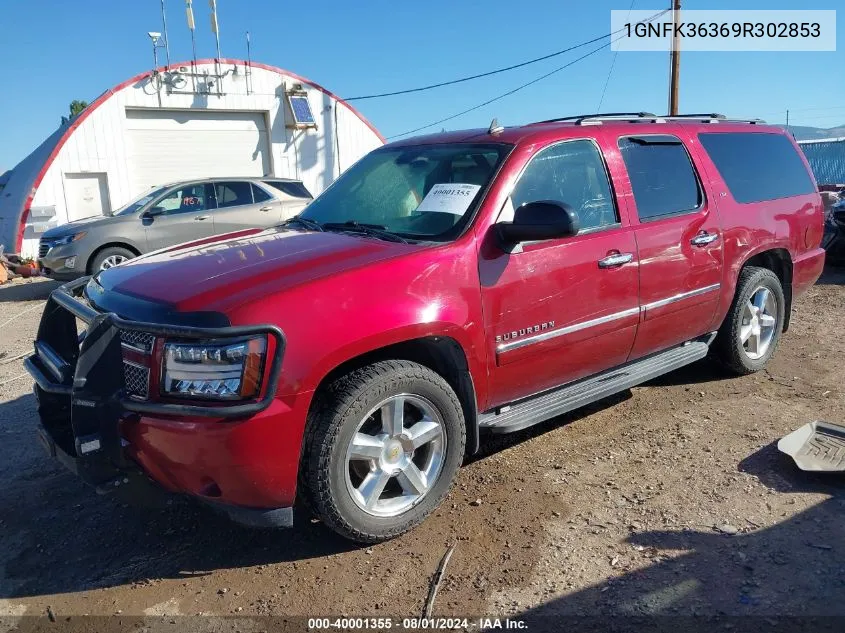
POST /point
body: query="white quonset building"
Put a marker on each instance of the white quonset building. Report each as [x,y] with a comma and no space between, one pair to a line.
[209,119]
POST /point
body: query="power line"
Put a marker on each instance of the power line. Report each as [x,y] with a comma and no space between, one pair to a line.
[503,95]
[518,88]
[492,72]
[613,61]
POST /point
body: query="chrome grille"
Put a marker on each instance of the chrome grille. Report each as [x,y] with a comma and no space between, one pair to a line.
[43,247]
[137,376]
[137,379]
[139,340]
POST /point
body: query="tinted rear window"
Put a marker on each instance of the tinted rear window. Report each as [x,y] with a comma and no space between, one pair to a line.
[662,177]
[291,188]
[758,167]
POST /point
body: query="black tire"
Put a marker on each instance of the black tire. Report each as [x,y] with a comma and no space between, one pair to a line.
[103,255]
[728,347]
[334,419]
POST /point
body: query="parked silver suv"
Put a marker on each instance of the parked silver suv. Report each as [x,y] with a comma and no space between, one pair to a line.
[168,215]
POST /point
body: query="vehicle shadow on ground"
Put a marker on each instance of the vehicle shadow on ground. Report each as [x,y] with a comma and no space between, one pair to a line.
[790,568]
[832,276]
[700,372]
[59,536]
[28,290]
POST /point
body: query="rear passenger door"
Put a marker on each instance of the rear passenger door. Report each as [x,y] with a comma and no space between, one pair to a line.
[679,241]
[237,209]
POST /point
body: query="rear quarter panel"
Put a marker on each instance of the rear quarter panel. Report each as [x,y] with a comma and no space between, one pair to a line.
[794,224]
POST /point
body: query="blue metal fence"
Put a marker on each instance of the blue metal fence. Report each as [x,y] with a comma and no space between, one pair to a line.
[827,159]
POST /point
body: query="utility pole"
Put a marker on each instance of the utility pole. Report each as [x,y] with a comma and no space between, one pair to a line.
[164,28]
[787,119]
[675,60]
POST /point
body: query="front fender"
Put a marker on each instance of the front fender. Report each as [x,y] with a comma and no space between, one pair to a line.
[330,321]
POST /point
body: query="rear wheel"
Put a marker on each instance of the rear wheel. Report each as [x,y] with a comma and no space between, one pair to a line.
[110,257]
[383,446]
[752,329]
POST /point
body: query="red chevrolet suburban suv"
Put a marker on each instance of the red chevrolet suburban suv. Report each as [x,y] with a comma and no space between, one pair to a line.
[443,288]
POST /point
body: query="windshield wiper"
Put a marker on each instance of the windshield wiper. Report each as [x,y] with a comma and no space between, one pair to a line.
[376,230]
[306,222]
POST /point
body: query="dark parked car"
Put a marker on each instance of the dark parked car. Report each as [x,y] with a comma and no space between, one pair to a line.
[172,214]
[443,288]
[834,232]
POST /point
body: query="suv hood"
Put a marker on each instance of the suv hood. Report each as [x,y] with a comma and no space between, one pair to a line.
[90,222]
[228,271]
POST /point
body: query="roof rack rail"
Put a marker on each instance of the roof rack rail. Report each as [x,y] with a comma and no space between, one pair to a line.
[597,119]
[578,118]
[711,117]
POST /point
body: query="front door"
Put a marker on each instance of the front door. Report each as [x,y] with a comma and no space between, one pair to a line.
[679,242]
[558,310]
[181,215]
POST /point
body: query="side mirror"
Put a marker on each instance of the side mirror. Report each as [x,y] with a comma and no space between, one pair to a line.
[152,212]
[542,220]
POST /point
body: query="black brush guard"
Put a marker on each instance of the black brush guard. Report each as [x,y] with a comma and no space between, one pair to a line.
[79,386]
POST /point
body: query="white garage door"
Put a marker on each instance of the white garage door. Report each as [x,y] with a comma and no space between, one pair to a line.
[168,145]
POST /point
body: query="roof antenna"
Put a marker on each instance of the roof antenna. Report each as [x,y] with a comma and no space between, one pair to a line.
[495,128]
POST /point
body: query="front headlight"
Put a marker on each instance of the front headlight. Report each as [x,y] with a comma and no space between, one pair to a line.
[220,370]
[67,239]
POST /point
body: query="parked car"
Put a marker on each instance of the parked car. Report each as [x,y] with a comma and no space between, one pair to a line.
[442,289]
[166,216]
[834,232]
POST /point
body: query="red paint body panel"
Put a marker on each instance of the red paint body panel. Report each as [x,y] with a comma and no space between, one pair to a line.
[338,296]
[253,463]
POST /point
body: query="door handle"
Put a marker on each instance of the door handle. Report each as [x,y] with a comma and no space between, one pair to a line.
[616,260]
[265,209]
[201,217]
[704,238]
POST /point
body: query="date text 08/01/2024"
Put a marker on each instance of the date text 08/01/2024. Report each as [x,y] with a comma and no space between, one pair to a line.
[319,624]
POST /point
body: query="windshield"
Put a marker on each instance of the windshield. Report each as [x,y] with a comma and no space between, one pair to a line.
[424,192]
[141,201]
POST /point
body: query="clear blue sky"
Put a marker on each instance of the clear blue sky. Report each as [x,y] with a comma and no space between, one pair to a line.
[57,51]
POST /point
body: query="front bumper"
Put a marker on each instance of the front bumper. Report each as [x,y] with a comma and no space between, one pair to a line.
[54,262]
[236,456]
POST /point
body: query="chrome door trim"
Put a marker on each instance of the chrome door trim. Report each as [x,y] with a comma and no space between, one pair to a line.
[502,348]
[569,329]
[680,297]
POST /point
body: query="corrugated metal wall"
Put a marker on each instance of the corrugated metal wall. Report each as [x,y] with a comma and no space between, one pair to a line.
[827,159]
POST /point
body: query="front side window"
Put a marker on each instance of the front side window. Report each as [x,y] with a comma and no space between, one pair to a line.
[756,166]
[140,202]
[573,173]
[184,199]
[423,191]
[662,176]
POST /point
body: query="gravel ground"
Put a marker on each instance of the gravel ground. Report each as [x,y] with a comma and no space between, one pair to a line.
[670,499]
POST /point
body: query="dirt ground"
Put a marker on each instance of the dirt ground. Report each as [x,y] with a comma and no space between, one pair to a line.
[670,499]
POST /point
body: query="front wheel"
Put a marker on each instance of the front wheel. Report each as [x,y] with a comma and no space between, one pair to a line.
[752,329]
[110,257]
[383,445]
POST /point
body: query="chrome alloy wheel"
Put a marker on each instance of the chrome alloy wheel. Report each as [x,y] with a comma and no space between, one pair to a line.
[759,320]
[112,260]
[395,455]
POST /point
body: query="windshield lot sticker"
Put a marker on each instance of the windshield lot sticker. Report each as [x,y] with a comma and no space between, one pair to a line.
[451,198]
